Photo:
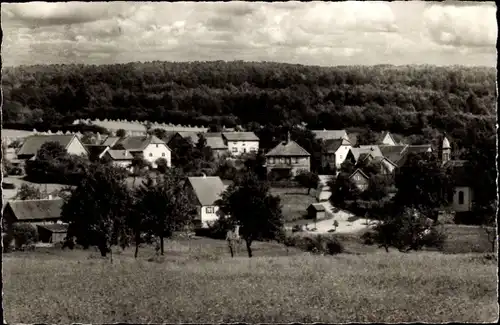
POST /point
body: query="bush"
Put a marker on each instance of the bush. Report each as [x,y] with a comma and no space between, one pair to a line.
[334,246]
[368,238]
[297,228]
[7,242]
[217,230]
[24,234]
[435,239]
[319,244]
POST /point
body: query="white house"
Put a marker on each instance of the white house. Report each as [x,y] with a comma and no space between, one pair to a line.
[150,147]
[207,190]
[335,152]
[33,143]
[241,142]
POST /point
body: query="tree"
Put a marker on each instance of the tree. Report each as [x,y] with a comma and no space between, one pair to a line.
[165,205]
[121,133]
[422,184]
[138,165]
[308,180]
[97,208]
[343,189]
[159,133]
[161,165]
[249,204]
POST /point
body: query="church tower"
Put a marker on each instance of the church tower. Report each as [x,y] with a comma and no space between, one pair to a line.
[446,151]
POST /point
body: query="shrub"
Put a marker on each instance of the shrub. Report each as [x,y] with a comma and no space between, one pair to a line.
[368,238]
[333,246]
[435,239]
[322,244]
[217,229]
[297,228]
[24,234]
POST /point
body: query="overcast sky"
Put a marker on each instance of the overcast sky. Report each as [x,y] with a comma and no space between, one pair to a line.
[315,33]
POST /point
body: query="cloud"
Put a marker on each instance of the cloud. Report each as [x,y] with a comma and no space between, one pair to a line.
[323,33]
[468,25]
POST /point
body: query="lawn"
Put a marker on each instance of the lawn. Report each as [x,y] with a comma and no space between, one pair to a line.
[197,281]
[294,201]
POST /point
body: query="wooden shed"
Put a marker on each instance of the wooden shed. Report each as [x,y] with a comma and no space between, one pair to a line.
[316,211]
[52,233]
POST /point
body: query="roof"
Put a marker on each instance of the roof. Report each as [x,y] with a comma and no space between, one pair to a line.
[359,171]
[120,154]
[332,145]
[383,135]
[215,142]
[317,207]
[380,159]
[55,228]
[207,189]
[110,141]
[421,148]
[193,136]
[33,143]
[212,134]
[240,136]
[374,151]
[169,135]
[393,153]
[95,150]
[290,148]
[36,209]
[330,134]
[138,143]
[353,138]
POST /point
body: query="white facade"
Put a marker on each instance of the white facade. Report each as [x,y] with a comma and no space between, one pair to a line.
[208,214]
[462,199]
[341,154]
[76,147]
[155,151]
[388,140]
[237,148]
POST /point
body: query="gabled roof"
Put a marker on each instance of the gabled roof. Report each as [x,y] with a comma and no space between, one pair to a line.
[332,145]
[36,209]
[381,159]
[95,150]
[290,148]
[317,206]
[193,136]
[374,151]
[216,142]
[359,171]
[33,143]
[110,141]
[55,227]
[207,189]
[169,135]
[118,154]
[137,143]
[329,134]
[393,153]
[240,136]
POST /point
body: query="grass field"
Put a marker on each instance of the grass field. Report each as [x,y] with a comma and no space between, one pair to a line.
[294,201]
[196,281]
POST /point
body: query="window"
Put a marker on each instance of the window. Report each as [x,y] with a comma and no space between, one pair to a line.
[235,143]
[340,156]
[244,150]
[157,146]
[296,160]
[163,154]
[282,160]
[288,161]
[151,154]
[243,144]
[234,149]
[461,197]
[210,209]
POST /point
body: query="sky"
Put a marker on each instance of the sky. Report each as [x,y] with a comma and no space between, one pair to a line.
[309,33]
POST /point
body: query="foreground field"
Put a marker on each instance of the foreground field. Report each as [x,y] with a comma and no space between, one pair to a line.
[197,282]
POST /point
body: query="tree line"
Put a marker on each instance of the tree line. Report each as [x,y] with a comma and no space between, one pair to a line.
[409,100]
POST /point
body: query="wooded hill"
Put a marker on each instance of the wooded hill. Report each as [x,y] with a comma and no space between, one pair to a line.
[407,100]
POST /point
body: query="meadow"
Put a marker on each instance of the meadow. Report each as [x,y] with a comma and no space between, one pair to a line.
[197,281]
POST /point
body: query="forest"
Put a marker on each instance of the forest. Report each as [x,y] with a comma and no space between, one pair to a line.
[416,102]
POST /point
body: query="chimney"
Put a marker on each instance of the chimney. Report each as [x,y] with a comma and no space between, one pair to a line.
[288,137]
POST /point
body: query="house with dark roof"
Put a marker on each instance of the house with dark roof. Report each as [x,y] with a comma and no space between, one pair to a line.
[216,143]
[393,153]
[360,179]
[287,158]
[33,143]
[35,212]
[110,141]
[96,151]
[334,152]
[149,147]
[207,190]
[416,149]
[316,211]
[241,142]
[356,154]
[120,158]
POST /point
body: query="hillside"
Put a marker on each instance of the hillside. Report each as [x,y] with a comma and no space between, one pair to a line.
[403,99]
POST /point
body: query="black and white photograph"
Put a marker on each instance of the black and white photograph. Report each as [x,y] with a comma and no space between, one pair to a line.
[249,162]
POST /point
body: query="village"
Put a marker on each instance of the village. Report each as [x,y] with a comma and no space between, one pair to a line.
[128,141]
